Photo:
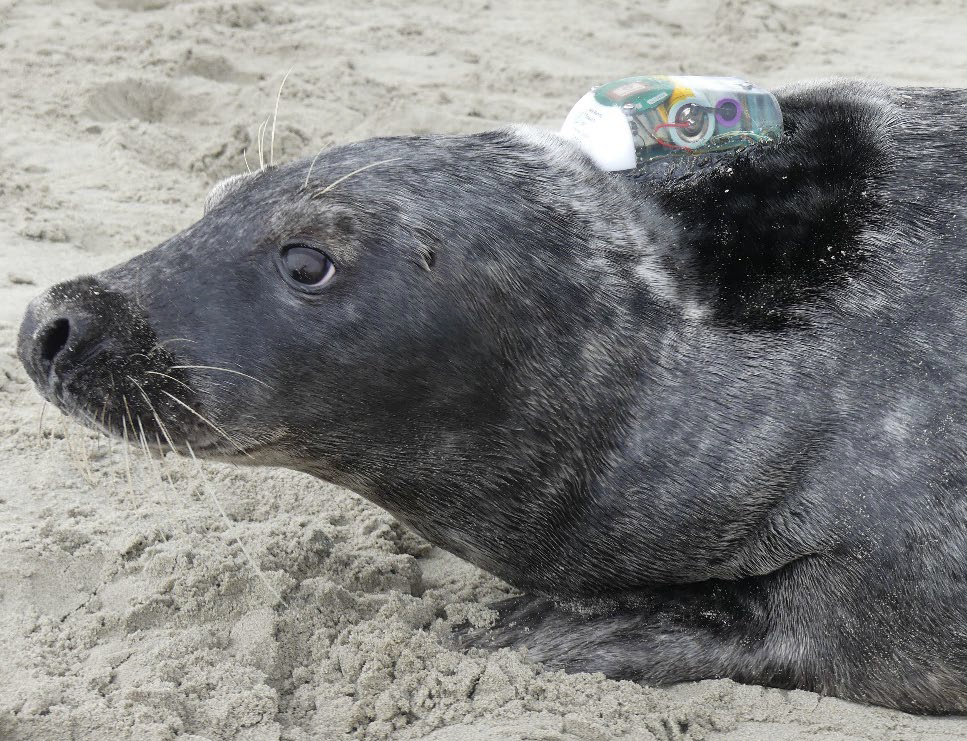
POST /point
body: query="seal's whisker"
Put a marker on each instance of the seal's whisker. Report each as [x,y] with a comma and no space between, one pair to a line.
[157,440]
[157,417]
[70,448]
[110,439]
[127,410]
[275,117]
[348,175]
[262,128]
[312,164]
[172,378]
[156,469]
[154,413]
[87,443]
[67,441]
[85,457]
[171,444]
[164,461]
[160,345]
[245,158]
[40,429]
[102,426]
[112,451]
[127,458]
[143,444]
[211,492]
[164,431]
[208,422]
[216,368]
[76,457]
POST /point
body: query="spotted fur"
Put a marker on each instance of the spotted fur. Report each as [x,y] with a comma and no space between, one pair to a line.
[712,423]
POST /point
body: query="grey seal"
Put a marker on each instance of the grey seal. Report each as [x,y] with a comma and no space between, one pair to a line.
[710,424]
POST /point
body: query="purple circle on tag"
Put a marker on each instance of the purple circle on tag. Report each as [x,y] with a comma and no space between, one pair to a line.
[727,111]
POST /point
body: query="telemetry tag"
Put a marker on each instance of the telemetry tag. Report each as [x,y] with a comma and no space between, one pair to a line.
[637,121]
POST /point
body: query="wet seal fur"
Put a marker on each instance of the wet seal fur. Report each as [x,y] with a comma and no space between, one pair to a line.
[712,425]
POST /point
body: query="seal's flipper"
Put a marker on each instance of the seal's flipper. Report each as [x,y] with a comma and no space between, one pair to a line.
[660,636]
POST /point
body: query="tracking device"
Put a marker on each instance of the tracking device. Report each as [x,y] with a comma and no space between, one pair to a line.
[637,122]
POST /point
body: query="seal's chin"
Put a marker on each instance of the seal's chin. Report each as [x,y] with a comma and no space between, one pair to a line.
[216,448]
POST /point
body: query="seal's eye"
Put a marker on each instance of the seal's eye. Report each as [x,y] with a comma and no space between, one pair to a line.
[307,266]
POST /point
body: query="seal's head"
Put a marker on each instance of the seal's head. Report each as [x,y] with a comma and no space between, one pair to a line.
[404,303]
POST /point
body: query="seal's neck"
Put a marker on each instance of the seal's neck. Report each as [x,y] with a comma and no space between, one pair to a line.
[622,485]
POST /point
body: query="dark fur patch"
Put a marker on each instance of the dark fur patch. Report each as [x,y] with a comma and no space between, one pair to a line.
[765,231]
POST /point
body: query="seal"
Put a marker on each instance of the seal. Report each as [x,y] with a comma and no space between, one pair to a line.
[722,412]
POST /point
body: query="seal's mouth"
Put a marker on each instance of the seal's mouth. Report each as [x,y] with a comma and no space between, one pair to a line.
[146,409]
[154,411]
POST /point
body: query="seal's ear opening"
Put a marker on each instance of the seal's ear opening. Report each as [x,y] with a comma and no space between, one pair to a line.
[425,245]
[225,187]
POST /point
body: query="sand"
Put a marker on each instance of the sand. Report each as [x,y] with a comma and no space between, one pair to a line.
[128,608]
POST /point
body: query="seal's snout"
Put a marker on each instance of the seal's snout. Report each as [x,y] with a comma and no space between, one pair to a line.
[91,351]
[44,339]
[53,338]
[74,337]
[41,339]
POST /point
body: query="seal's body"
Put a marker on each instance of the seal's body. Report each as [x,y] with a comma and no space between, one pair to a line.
[713,425]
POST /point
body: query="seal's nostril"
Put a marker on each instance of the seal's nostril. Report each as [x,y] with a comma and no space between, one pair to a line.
[51,340]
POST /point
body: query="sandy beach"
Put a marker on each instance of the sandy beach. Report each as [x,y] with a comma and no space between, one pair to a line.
[131,607]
